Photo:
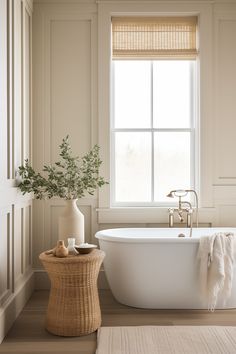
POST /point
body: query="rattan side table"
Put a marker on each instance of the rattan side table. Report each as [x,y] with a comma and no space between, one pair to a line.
[73,308]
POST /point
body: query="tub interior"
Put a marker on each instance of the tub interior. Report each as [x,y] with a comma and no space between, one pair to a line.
[160,234]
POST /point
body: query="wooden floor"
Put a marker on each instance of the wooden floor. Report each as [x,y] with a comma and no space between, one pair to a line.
[29,336]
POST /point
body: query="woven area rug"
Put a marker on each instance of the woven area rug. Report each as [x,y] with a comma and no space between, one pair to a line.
[167,339]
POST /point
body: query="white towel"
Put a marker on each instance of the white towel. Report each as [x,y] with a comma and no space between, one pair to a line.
[216,258]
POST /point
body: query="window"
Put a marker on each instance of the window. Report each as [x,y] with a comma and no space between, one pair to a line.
[154,110]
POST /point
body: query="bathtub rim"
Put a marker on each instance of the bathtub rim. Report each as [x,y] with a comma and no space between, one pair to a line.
[108,234]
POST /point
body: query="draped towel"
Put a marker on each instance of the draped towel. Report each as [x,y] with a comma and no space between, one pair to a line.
[216,260]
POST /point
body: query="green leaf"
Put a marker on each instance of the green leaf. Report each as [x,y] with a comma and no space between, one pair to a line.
[68,178]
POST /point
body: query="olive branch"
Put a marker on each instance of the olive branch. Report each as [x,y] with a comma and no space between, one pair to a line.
[69,178]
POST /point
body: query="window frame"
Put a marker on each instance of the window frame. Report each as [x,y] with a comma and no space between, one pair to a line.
[194,96]
[156,215]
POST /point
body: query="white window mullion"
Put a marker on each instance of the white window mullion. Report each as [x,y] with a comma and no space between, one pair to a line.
[112,168]
[193,126]
[137,130]
[112,137]
[152,137]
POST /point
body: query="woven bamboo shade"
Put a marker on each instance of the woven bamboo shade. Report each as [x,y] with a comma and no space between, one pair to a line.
[154,37]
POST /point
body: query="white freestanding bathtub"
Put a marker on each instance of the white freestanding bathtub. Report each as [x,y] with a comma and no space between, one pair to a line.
[154,268]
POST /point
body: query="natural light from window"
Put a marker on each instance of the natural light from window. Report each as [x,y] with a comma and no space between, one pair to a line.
[152,130]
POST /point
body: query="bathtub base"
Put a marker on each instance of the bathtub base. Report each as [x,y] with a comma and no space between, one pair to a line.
[157,272]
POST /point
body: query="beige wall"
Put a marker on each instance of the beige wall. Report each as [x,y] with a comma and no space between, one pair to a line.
[67,50]
[16,276]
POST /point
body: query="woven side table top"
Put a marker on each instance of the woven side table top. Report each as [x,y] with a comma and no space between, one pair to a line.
[80,258]
[73,308]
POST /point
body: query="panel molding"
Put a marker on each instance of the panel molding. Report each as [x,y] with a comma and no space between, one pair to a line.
[10,78]
[4,40]
[48,19]
[16,284]
[8,259]
[10,310]
[22,233]
[88,5]
[149,216]
[22,81]
[224,175]
[29,5]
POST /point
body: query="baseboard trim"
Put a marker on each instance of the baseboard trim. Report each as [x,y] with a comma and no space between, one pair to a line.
[36,279]
[42,281]
[11,309]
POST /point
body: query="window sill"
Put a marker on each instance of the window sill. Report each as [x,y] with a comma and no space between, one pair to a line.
[147,215]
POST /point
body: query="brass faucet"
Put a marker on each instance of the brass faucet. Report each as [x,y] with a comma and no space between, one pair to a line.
[183,207]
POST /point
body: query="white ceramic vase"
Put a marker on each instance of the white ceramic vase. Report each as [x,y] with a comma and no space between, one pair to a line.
[71,222]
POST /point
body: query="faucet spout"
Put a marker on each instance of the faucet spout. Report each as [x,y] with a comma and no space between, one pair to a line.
[183,207]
